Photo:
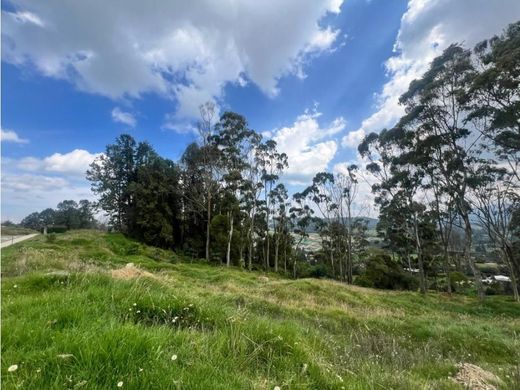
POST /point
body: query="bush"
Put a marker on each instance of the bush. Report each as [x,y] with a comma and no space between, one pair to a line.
[56,229]
[51,237]
[459,281]
[132,249]
[382,272]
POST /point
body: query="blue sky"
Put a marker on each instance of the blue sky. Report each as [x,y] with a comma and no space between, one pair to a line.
[316,76]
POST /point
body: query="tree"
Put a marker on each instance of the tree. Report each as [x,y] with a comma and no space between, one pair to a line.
[301,216]
[157,203]
[495,94]
[111,175]
[272,163]
[495,204]
[233,142]
[279,198]
[436,110]
[32,221]
[68,214]
[321,192]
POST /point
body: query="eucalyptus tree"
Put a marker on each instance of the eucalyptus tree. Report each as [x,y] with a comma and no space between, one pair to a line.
[436,110]
[279,198]
[271,163]
[321,193]
[495,95]
[209,161]
[252,189]
[232,140]
[495,204]
[301,215]
[345,195]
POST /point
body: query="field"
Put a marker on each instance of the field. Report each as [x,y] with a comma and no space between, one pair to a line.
[74,315]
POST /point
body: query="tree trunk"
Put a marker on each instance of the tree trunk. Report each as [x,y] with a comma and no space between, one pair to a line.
[230,237]
[508,254]
[276,247]
[418,246]
[208,225]
[447,269]
[349,246]
[467,256]
[251,233]
[285,258]
[267,252]
[332,259]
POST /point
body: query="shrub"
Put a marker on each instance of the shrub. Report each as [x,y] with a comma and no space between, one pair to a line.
[132,249]
[51,237]
[459,281]
[56,229]
[382,272]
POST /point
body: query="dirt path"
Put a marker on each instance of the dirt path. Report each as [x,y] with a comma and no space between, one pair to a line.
[10,240]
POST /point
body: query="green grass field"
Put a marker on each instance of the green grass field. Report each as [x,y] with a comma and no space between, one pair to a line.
[70,322]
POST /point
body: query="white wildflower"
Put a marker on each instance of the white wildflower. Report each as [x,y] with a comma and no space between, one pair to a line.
[174,357]
[120,384]
[13,368]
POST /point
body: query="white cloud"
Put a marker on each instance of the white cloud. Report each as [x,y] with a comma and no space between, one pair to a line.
[33,184]
[28,183]
[123,117]
[353,138]
[323,39]
[186,50]
[74,163]
[427,28]
[309,146]
[11,136]
[26,193]
[27,17]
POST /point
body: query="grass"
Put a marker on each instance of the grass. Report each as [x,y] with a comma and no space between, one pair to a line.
[15,231]
[67,323]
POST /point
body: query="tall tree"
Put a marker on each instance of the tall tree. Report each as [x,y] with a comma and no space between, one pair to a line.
[272,163]
[436,109]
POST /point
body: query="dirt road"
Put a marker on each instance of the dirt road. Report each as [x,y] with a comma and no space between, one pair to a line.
[10,240]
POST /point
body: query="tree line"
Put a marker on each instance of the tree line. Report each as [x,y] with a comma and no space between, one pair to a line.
[448,167]
[450,163]
[68,214]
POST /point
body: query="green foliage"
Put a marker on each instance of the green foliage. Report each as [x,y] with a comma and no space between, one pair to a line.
[234,329]
[56,229]
[459,281]
[382,272]
[51,238]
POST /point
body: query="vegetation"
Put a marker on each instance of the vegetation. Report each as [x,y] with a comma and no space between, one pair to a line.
[67,215]
[75,316]
[446,173]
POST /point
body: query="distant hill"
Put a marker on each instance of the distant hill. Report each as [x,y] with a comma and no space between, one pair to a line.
[371,224]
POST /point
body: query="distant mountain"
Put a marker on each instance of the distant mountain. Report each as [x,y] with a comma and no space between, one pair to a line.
[371,223]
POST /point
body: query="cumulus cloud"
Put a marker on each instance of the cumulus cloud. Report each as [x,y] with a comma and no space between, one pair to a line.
[28,182]
[25,193]
[353,138]
[33,184]
[308,145]
[186,50]
[427,28]
[11,136]
[74,163]
[123,117]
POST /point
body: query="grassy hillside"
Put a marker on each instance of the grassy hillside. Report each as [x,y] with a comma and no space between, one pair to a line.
[74,316]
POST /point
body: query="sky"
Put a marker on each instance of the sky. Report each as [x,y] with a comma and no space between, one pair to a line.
[314,75]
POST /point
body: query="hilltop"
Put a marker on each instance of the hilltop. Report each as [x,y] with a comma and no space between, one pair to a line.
[76,315]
